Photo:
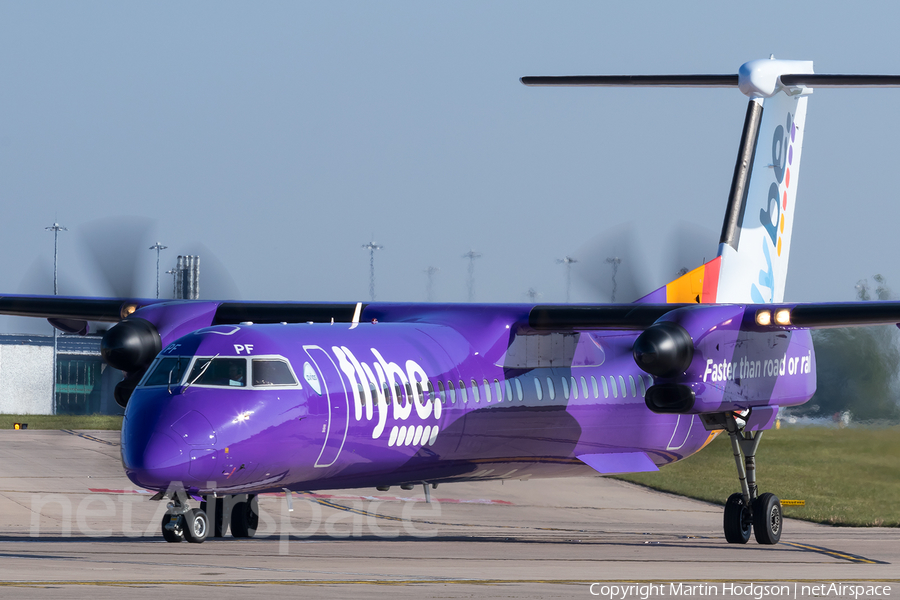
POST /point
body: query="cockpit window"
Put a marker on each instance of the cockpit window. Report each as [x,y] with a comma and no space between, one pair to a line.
[272,372]
[168,371]
[226,372]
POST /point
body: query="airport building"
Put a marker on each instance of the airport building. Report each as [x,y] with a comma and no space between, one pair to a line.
[83,384]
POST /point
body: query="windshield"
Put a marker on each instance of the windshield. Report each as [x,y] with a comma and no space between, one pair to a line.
[272,372]
[227,372]
[168,370]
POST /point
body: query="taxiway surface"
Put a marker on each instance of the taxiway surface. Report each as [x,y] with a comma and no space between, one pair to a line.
[72,525]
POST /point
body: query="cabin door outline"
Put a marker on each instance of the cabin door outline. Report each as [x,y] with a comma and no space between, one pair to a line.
[334,393]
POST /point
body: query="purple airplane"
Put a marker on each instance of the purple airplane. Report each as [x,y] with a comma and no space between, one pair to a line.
[227,400]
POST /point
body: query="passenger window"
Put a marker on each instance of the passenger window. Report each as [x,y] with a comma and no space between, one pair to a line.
[643,387]
[575,388]
[498,390]
[475,396]
[224,372]
[550,389]
[273,372]
[537,387]
[631,383]
[612,384]
[463,395]
[441,392]
[431,395]
[519,393]
[605,387]
[622,385]
[487,391]
[584,386]
[452,391]
[168,370]
[594,386]
[565,383]
[508,391]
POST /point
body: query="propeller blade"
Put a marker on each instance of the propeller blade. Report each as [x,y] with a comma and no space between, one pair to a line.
[612,267]
[117,246]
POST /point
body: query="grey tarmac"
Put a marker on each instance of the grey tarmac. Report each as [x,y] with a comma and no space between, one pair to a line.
[73,526]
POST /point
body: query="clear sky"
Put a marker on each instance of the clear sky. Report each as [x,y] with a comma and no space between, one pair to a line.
[282,136]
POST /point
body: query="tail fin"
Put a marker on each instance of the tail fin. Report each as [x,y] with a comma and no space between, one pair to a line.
[751,266]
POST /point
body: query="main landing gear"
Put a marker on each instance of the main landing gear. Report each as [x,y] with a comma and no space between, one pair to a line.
[749,509]
[193,524]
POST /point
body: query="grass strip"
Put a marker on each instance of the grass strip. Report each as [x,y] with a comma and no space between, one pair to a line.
[847,476]
[109,422]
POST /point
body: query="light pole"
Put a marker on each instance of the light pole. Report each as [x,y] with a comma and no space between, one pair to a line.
[158,247]
[174,275]
[429,289]
[568,262]
[55,228]
[471,255]
[615,261]
[372,247]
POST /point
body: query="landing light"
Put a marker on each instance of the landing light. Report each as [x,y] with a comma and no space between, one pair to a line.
[763,317]
[128,309]
[783,316]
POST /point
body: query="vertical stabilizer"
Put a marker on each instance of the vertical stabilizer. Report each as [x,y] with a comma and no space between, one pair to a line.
[751,265]
[756,238]
[752,261]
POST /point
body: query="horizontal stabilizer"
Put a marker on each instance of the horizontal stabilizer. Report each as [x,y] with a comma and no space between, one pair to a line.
[619,462]
[634,80]
[825,80]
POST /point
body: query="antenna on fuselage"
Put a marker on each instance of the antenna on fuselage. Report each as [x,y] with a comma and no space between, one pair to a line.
[471,255]
[372,247]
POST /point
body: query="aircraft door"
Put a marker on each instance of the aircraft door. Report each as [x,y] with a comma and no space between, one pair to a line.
[325,379]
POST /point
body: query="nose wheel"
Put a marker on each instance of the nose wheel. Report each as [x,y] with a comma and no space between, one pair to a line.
[748,510]
[183,523]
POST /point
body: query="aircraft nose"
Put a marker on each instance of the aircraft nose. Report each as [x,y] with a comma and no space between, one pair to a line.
[161,461]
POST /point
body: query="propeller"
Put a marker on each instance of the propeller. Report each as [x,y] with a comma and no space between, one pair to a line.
[118,263]
[117,247]
[615,268]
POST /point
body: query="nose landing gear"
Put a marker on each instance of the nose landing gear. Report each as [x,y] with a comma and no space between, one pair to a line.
[183,523]
[748,509]
[194,524]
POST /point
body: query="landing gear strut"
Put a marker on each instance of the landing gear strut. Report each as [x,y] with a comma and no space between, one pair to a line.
[748,509]
[183,523]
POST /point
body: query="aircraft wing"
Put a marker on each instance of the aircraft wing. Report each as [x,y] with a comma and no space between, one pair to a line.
[540,318]
[814,315]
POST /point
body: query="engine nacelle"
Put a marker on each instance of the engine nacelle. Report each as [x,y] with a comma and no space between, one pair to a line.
[734,363]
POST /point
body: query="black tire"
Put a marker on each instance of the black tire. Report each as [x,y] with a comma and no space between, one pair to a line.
[171,536]
[245,516]
[767,519]
[738,522]
[196,526]
[216,516]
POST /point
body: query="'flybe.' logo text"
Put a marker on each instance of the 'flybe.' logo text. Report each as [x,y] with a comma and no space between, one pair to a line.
[382,385]
[772,217]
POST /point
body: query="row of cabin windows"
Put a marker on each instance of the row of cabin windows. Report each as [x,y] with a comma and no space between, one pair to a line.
[475,391]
